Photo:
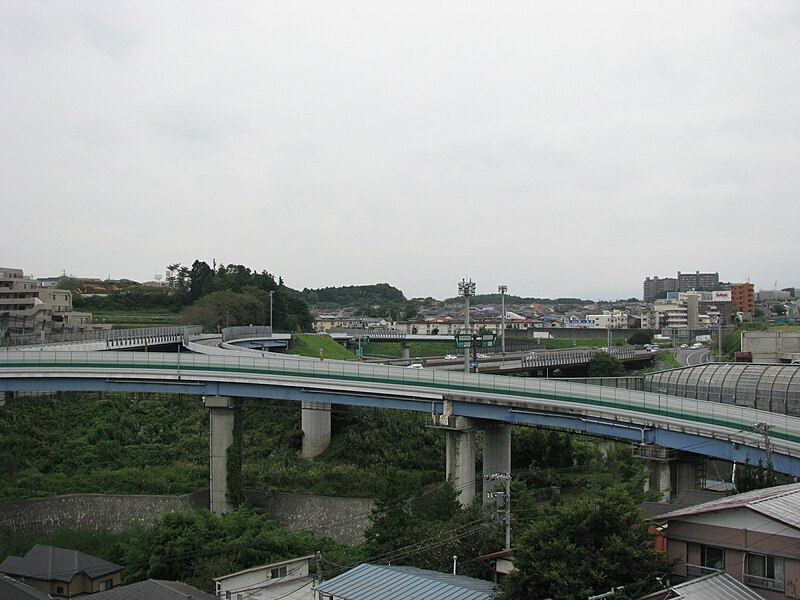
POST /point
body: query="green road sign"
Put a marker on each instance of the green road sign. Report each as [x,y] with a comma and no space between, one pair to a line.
[463,340]
[488,340]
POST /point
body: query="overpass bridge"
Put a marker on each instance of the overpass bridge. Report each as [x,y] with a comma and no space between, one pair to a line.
[458,402]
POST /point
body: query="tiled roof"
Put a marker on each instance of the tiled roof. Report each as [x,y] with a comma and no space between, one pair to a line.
[153,589]
[781,503]
[377,582]
[49,563]
[11,589]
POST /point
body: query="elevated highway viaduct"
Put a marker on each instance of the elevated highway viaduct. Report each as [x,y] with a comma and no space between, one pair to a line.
[460,403]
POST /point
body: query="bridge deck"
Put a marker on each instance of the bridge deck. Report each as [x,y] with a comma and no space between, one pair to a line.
[630,414]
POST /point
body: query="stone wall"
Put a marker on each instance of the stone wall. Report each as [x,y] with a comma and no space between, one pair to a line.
[344,520]
[99,512]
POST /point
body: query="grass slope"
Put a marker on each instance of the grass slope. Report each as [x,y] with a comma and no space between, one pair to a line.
[309,345]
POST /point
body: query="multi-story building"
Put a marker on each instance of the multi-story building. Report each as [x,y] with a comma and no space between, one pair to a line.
[31,312]
[671,313]
[754,537]
[697,281]
[657,287]
[743,297]
[609,319]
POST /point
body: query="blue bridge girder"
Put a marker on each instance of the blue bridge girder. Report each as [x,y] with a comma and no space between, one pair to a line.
[708,428]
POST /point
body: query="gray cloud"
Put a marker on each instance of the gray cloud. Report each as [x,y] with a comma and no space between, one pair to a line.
[561,149]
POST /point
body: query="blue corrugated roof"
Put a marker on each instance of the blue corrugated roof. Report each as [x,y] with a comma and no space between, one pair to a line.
[377,582]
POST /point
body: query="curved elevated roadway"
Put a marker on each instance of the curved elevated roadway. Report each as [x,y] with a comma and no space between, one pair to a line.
[709,428]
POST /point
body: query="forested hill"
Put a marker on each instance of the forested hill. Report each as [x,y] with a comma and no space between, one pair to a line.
[353,295]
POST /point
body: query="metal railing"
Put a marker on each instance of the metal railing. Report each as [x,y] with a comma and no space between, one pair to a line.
[120,338]
[644,409]
[245,332]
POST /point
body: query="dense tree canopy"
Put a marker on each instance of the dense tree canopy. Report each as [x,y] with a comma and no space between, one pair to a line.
[586,548]
[605,365]
[641,337]
[225,296]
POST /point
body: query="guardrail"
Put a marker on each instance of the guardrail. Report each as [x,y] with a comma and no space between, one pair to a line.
[370,333]
[246,331]
[124,338]
[644,409]
[570,357]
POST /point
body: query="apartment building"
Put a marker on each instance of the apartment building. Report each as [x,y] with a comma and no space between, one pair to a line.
[743,297]
[698,281]
[657,287]
[609,319]
[32,312]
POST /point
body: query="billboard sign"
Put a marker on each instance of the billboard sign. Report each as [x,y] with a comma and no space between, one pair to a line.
[722,296]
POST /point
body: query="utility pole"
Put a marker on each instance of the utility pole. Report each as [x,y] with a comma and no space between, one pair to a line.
[506,496]
[763,428]
[318,557]
[270,311]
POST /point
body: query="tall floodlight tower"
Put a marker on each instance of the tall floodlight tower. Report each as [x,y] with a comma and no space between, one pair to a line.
[466,289]
[502,289]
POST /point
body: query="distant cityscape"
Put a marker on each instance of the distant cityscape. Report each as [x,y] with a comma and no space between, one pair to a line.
[36,310]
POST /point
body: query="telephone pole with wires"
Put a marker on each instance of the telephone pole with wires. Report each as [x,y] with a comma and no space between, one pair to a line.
[506,496]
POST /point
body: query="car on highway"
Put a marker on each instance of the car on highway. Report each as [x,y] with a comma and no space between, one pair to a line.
[482,355]
[684,346]
[451,357]
[696,345]
[415,366]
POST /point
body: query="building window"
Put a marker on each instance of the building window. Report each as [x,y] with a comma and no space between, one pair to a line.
[106,585]
[712,558]
[764,571]
[59,589]
[278,572]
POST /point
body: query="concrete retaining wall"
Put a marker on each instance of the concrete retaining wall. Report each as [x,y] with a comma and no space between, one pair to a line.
[342,519]
[98,512]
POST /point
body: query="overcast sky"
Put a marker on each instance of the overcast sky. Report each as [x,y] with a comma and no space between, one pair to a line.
[561,148]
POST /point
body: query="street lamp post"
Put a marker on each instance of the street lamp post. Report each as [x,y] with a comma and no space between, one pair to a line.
[466,289]
[270,311]
[502,289]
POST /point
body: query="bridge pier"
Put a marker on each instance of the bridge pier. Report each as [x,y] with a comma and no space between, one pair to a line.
[406,350]
[461,458]
[671,472]
[222,415]
[316,423]
[496,453]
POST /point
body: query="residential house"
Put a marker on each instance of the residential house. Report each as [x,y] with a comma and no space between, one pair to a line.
[11,589]
[154,589]
[62,573]
[754,537]
[717,585]
[368,582]
[288,580]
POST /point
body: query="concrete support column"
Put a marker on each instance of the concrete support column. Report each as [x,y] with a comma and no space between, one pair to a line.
[496,454]
[406,349]
[221,410]
[461,459]
[688,475]
[660,478]
[316,422]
